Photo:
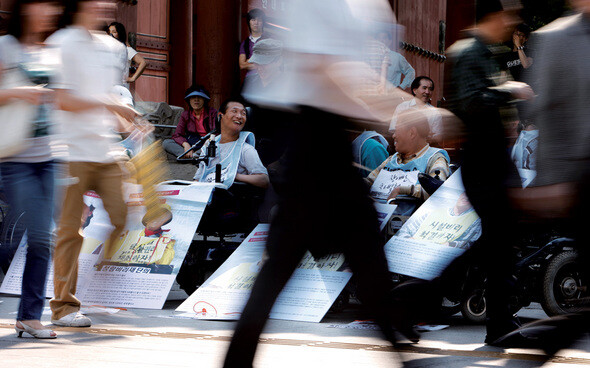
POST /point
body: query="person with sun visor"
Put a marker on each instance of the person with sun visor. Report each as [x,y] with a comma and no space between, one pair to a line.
[194,123]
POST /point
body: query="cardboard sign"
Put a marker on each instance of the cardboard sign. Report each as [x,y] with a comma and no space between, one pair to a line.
[389,180]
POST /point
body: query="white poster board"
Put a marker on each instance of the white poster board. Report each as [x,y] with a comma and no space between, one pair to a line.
[437,233]
[311,291]
[527,176]
[384,213]
[145,263]
[387,181]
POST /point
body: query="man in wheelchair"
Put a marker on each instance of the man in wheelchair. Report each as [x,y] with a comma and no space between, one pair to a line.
[236,154]
[398,174]
[235,163]
[397,178]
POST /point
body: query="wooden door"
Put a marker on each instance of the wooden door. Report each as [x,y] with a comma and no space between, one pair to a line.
[153,43]
[5,6]
[423,47]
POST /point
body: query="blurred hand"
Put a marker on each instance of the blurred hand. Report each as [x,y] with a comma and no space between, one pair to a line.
[519,90]
[32,95]
[124,111]
[516,40]
[143,126]
[394,193]
[186,146]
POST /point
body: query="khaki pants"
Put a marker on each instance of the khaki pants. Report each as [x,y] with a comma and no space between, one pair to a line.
[107,181]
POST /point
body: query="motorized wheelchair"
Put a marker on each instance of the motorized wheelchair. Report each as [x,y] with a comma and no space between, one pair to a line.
[228,219]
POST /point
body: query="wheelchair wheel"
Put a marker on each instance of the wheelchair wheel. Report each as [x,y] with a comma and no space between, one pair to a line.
[10,237]
[564,285]
[474,307]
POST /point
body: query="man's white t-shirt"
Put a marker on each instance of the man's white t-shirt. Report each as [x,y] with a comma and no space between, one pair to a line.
[249,164]
[434,117]
[90,69]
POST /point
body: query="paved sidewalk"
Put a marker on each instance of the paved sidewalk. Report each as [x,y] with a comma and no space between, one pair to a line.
[146,338]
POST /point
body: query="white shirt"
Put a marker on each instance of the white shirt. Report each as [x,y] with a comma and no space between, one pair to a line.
[249,164]
[11,54]
[130,55]
[89,68]
[324,34]
[434,117]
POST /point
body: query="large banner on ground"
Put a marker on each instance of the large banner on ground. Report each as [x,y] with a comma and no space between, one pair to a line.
[437,233]
[311,291]
[142,265]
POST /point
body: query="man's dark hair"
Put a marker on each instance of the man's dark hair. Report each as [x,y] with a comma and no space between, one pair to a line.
[524,29]
[416,83]
[121,32]
[223,107]
[486,7]
[253,14]
[70,7]
[16,21]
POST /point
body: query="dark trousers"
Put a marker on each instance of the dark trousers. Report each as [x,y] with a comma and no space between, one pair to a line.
[325,207]
[494,251]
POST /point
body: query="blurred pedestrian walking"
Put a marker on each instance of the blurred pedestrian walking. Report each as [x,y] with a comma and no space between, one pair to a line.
[560,193]
[325,206]
[476,96]
[28,173]
[83,84]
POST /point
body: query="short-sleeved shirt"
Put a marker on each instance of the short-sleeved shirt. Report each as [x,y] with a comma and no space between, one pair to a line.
[514,65]
[433,116]
[89,68]
[130,55]
[249,164]
[246,48]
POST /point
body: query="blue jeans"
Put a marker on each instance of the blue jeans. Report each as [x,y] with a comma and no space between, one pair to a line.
[29,188]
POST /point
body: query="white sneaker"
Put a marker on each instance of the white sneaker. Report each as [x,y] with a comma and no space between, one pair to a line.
[75,319]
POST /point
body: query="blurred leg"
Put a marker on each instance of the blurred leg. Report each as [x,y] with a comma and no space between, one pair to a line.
[285,252]
[172,147]
[29,188]
[69,242]
[109,186]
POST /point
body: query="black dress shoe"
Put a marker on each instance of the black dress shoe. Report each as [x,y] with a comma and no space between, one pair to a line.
[517,339]
[549,335]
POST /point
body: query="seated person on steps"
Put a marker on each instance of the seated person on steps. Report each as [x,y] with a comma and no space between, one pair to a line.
[235,151]
[369,150]
[194,123]
[413,154]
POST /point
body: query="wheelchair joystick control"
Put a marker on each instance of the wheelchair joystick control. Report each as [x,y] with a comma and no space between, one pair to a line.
[437,174]
[211,149]
[218,173]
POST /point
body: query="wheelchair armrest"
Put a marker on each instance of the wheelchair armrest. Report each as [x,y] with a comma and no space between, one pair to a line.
[242,190]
